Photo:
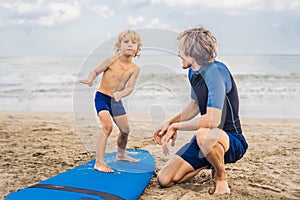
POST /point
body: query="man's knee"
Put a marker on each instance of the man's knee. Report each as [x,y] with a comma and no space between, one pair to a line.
[208,138]
[163,180]
[201,136]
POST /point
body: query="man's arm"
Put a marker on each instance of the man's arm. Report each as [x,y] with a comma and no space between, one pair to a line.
[211,119]
[189,112]
[191,125]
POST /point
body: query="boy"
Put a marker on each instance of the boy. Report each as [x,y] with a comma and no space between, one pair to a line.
[118,80]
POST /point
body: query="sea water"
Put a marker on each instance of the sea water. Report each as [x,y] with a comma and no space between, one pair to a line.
[269,85]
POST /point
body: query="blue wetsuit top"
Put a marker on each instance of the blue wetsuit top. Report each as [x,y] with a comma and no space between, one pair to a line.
[213,86]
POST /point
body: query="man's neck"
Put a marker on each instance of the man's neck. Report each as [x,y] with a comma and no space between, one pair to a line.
[195,67]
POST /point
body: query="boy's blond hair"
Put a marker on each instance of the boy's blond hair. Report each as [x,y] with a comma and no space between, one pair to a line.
[199,44]
[133,35]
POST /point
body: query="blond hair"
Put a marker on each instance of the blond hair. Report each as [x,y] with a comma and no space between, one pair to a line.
[199,44]
[133,35]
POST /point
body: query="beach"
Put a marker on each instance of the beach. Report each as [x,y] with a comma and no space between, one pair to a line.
[48,120]
[39,145]
[48,123]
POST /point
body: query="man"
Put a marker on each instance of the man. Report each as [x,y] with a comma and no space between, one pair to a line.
[218,135]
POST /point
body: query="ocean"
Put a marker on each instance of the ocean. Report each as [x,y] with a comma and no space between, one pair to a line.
[269,85]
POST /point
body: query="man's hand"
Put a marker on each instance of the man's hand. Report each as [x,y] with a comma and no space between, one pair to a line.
[159,133]
[86,81]
[171,135]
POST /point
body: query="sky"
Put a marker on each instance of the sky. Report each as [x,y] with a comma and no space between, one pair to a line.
[75,28]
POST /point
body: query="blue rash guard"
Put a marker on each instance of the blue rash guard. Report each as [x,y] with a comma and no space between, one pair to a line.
[213,86]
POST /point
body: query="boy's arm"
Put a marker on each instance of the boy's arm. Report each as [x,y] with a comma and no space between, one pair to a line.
[95,72]
[129,86]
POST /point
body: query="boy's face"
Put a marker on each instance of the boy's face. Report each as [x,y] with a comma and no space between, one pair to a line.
[128,46]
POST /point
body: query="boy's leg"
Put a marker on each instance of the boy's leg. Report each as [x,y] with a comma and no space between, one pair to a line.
[106,125]
[123,125]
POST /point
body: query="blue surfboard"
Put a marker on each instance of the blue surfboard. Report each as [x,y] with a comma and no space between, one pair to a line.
[84,183]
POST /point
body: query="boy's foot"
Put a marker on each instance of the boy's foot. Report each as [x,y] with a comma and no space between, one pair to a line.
[222,187]
[126,158]
[102,167]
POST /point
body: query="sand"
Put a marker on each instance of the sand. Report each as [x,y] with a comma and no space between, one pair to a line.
[36,146]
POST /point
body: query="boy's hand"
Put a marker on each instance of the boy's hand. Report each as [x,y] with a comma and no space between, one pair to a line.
[117,96]
[89,83]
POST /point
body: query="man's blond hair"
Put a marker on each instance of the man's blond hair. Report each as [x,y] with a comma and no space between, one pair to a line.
[199,44]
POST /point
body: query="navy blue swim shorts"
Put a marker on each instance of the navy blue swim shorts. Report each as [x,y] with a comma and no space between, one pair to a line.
[105,102]
[192,154]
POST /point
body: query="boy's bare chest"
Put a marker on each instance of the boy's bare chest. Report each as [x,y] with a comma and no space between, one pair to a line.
[118,71]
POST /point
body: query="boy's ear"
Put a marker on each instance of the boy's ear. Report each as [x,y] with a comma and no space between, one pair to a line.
[117,48]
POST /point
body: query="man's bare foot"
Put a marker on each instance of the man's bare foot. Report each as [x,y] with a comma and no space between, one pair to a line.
[102,167]
[126,158]
[222,187]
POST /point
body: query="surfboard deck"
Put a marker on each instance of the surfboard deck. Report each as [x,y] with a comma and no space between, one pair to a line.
[84,183]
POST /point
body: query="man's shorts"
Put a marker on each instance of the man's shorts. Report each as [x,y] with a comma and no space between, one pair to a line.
[105,102]
[192,154]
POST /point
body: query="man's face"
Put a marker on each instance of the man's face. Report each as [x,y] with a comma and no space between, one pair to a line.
[186,60]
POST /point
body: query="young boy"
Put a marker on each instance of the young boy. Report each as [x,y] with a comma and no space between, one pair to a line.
[118,80]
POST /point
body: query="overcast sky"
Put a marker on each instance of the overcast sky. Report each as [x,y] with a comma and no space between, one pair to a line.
[75,28]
